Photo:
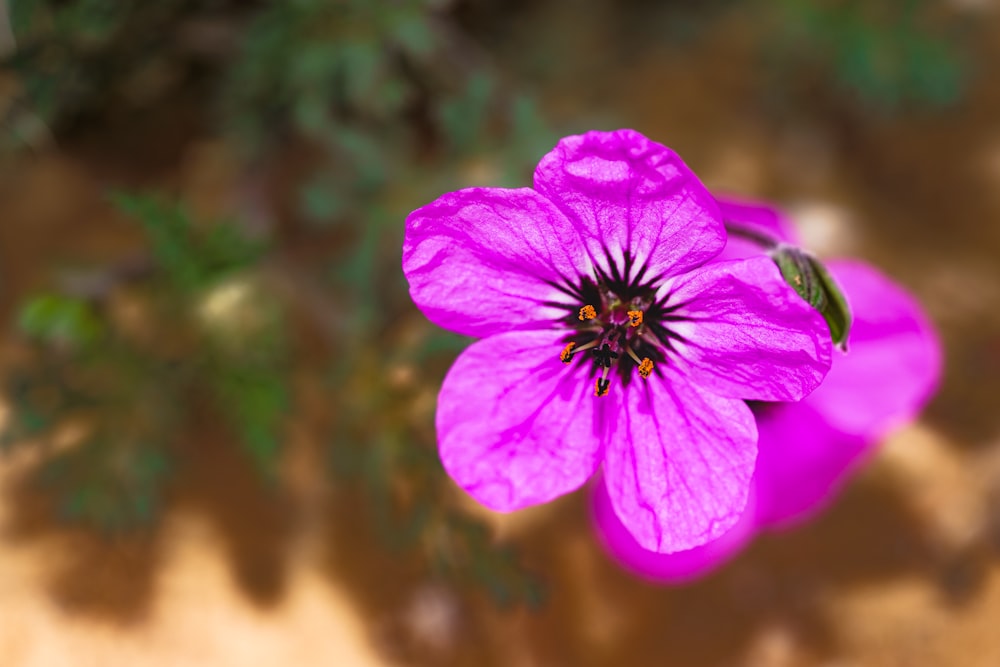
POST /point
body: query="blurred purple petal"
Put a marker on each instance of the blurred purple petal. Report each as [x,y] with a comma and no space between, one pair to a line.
[673,568]
[802,462]
[894,359]
[892,369]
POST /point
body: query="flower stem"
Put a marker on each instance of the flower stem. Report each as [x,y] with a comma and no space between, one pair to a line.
[763,239]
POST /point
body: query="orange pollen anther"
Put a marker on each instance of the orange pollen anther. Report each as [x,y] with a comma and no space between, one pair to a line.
[634,318]
[646,367]
[588,312]
[567,353]
[601,387]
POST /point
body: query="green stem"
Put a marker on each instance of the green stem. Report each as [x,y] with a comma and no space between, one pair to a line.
[763,239]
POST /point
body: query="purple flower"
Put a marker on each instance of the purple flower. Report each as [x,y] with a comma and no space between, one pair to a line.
[807,450]
[606,339]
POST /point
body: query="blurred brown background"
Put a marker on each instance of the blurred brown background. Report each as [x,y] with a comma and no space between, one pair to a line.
[218,402]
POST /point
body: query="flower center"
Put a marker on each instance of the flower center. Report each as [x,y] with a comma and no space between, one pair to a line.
[613,331]
[617,322]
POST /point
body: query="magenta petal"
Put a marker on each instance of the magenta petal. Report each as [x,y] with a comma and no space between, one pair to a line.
[629,194]
[801,463]
[893,362]
[893,365]
[678,462]
[745,333]
[758,217]
[516,426]
[482,261]
[673,568]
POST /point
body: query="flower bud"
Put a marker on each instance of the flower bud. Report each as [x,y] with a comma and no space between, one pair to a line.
[813,282]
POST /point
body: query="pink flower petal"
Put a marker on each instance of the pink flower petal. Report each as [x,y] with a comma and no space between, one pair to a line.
[678,462]
[893,366]
[482,261]
[628,194]
[746,333]
[516,426]
[801,463]
[674,568]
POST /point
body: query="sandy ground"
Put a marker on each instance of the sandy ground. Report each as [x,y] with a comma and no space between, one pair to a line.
[930,598]
[197,613]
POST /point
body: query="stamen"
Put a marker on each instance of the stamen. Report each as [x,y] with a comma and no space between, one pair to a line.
[567,353]
[588,312]
[634,356]
[634,318]
[571,349]
[645,364]
[603,383]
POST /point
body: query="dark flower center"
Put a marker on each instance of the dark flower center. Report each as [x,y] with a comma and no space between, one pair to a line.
[617,323]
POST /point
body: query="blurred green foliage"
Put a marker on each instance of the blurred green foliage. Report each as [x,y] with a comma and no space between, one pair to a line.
[111,484]
[129,393]
[392,104]
[71,56]
[56,318]
[889,55]
[189,257]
